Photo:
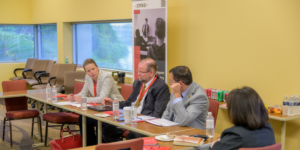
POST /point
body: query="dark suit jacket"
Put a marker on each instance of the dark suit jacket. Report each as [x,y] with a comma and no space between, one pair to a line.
[156,100]
[241,137]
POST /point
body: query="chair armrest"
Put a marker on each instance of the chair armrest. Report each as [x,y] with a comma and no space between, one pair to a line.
[62,89]
[51,78]
[34,74]
[42,75]
[23,72]
[17,70]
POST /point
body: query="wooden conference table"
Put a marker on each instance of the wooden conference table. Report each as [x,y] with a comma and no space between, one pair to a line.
[170,144]
[142,127]
[279,117]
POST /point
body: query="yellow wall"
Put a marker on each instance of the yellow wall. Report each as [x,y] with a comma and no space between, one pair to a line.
[13,12]
[226,44]
[229,44]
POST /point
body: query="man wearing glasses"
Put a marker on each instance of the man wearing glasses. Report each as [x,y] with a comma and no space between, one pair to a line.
[150,95]
[188,104]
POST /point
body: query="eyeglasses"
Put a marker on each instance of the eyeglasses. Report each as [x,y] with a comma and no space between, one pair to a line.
[171,82]
[142,72]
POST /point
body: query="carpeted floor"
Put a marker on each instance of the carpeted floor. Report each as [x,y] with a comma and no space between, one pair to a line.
[21,130]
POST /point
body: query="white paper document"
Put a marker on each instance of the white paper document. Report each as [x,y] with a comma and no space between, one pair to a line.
[71,103]
[145,117]
[162,122]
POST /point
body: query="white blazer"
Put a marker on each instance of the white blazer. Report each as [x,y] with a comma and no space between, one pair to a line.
[106,87]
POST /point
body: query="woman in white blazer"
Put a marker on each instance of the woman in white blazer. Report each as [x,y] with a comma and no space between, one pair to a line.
[100,85]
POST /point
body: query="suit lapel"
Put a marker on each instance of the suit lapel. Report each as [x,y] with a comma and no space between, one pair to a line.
[189,94]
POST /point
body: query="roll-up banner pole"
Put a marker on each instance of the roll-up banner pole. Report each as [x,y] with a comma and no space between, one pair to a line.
[149,18]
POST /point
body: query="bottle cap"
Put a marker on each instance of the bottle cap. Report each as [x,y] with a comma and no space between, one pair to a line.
[209,113]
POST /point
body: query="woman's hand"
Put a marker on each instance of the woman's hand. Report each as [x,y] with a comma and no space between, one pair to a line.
[213,143]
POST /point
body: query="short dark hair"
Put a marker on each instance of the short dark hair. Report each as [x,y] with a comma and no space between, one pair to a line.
[183,74]
[160,28]
[246,108]
[87,62]
[137,33]
[151,64]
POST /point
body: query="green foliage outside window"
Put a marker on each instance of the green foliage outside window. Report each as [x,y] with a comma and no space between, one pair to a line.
[16,42]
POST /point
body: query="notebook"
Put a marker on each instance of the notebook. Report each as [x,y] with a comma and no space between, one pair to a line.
[100,108]
[188,141]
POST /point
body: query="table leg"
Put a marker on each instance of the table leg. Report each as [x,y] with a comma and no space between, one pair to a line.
[45,110]
[83,131]
[283,129]
[39,129]
[99,132]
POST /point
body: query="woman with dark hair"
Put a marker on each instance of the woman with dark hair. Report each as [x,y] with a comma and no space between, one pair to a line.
[139,40]
[251,128]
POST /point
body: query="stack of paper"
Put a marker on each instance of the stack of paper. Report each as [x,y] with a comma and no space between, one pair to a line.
[145,117]
[162,122]
[102,115]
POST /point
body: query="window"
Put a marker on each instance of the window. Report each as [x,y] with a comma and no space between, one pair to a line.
[20,42]
[47,42]
[109,44]
[17,42]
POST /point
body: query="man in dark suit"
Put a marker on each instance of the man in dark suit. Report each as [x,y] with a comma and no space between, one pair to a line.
[150,95]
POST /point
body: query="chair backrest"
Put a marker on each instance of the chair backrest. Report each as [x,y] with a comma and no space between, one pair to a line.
[49,66]
[69,81]
[40,65]
[78,87]
[126,90]
[29,63]
[136,144]
[214,108]
[61,72]
[19,103]
[276,146]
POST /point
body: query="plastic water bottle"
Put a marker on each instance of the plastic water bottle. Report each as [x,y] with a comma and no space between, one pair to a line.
[291,104]
[296,105]
[54,94]
[116,111]
[67,61]
[285,105]
[48,92]
[55,59]
[133,113]
[210,125]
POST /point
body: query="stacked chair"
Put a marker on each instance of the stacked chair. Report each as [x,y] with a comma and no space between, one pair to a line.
[69,82]
[37,74]
[38,66]
[27,71]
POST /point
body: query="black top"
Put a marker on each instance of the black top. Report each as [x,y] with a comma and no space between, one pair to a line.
[156,99]
[241,137]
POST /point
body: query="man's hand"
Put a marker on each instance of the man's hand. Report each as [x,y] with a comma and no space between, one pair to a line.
[77,98]
[107,101]
[70,97]
[176,89]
